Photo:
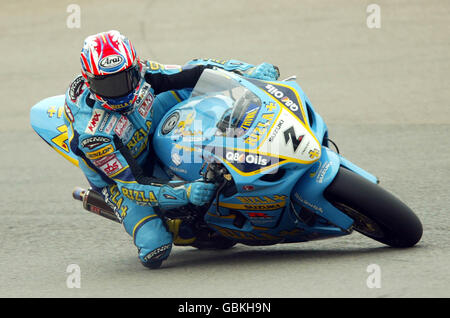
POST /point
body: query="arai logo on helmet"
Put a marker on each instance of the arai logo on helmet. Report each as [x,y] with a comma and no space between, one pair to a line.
[111,61]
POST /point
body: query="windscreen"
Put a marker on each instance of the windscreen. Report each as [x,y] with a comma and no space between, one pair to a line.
[214,83]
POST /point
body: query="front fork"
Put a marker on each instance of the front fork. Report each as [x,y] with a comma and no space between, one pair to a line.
[309,190]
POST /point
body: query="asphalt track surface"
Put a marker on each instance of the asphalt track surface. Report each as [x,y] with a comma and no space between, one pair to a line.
[384,94]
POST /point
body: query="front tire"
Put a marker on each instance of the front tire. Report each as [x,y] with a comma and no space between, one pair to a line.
[376,213]
[210,240]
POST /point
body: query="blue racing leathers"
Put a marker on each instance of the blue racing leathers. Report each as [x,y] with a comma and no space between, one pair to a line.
[116,155]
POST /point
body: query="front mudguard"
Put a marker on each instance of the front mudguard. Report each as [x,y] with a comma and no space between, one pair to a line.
[309,190]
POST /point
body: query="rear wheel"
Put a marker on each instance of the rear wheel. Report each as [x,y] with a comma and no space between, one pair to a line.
[376,213]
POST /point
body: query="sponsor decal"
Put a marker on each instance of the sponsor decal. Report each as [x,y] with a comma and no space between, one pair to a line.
[280,95]
[314,173]
[308,204]
[68,113]
[172,67]
[267,207]
[111,61]
[136,151]
[61,139]
[289,135]
[315,153]
[52,111]
[100,162]
[245,162]
[140,197]
[120,106]
[250,115]
[95,121]
[110,164]
[261,128]
[177,170]
[143,92]
[222,62]
[323,172]
[76,88]
[115,200]
[240,157]
[95,141]
[306,147]
[144,109]
[259,203]
[138,136]
[100,153]
[104,121]
[170,123]
[255,236]
[259,217]
[155,65]
[111,124]
[121,127]
[284,94]
[262,199]
[157,253]
[276,129]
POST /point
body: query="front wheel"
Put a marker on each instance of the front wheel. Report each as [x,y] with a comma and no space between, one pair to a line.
[211,240]
[376,213]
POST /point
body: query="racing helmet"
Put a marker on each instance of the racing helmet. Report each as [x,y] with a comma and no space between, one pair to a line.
[111,69]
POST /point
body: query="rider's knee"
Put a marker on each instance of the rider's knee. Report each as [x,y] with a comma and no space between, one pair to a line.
[153,258]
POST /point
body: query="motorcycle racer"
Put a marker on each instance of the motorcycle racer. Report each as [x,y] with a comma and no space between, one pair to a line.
[112,110]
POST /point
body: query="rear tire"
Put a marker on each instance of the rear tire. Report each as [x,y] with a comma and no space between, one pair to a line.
[377,213]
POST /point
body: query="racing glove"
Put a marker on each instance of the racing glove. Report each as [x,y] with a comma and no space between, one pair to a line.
[264,71]
[200,193]
[172,196]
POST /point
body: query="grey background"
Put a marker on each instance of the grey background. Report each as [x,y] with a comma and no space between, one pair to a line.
[383,93]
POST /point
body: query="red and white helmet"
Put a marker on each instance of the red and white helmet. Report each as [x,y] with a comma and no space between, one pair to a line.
[111,69]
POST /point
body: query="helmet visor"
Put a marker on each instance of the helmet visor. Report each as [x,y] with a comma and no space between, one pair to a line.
[114,85]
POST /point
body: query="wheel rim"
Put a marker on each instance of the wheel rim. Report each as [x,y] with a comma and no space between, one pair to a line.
[362,223]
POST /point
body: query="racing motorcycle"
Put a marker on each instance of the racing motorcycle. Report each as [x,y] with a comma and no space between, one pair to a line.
[280,179]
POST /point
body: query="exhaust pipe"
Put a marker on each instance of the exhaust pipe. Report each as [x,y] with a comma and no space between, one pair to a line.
[94,203]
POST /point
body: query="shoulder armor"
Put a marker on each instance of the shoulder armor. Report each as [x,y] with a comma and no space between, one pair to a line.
[76,88]
[73,102]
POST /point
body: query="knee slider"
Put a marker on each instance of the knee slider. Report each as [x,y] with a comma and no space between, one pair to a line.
[155,256]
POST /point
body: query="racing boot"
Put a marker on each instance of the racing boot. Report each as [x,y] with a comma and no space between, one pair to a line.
[183,233]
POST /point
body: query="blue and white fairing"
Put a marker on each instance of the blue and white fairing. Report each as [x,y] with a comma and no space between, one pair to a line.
[267,135]
[47,119]
[253,127]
